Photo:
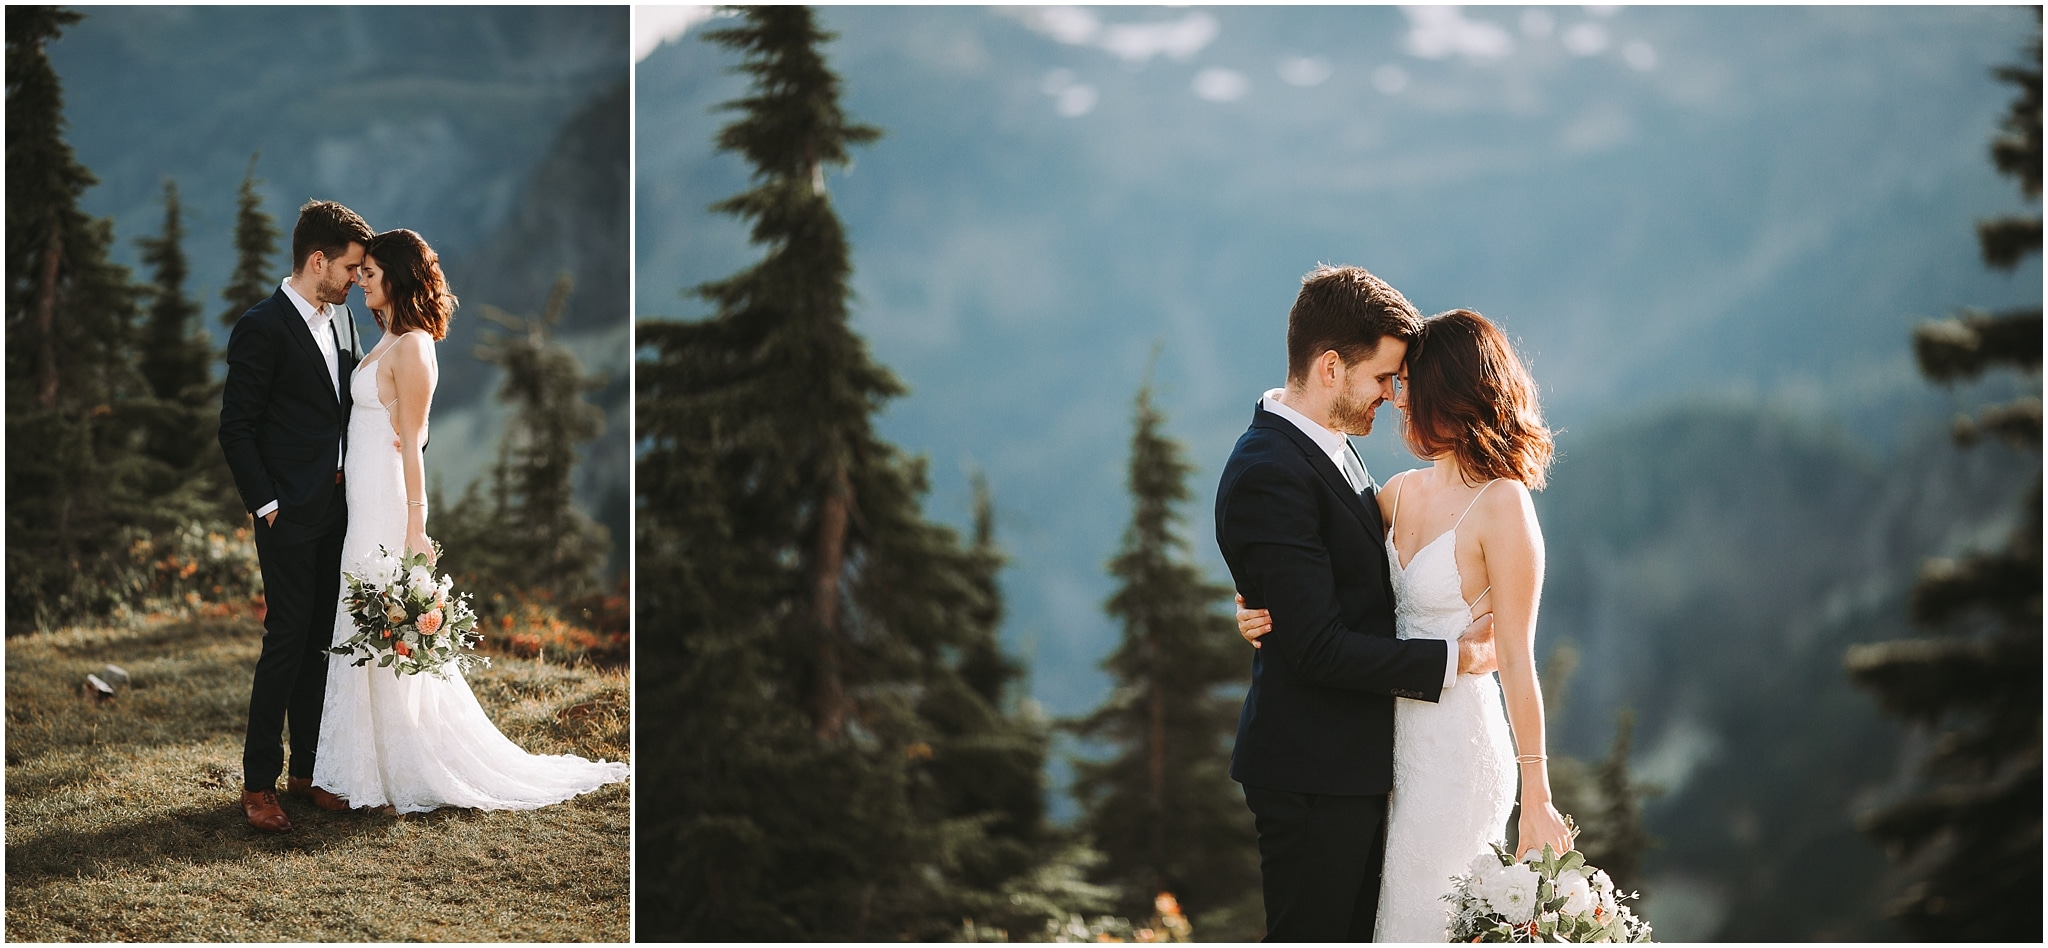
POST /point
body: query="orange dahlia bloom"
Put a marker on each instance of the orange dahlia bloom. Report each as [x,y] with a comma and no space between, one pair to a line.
[431,622]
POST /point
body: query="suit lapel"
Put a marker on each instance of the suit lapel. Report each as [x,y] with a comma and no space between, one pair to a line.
[295,326]
[1325,468]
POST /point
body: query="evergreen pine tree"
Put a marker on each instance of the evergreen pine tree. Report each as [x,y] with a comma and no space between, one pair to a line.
[74,476]
[1969,836]
[983,664]
[831,763]
[527,533]
[256,237]
[1164,810]
[987,749]
[176,360]
[1601,797]
[1615,838]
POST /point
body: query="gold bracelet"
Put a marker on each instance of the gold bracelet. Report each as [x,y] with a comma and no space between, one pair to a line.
[1532,758]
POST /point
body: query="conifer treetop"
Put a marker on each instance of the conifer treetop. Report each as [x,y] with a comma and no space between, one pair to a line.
[792,126]
[256,238]
[40,163]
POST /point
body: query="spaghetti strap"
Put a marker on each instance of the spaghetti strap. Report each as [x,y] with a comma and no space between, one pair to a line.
[1475,599]
[1468,507]
[1398,491]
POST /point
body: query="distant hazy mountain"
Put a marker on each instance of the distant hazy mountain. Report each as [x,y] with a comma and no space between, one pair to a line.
[1710,564]
[499,133]
[571,218]
[1659,202]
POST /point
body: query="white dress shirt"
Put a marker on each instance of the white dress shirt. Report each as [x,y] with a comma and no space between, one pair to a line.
[319,322]
[1339,449]
[1333,443]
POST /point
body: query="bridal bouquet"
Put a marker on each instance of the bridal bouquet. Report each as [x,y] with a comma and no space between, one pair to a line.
[406,619]
[1544,898]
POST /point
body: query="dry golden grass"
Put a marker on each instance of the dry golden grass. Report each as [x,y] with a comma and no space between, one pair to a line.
[122,822]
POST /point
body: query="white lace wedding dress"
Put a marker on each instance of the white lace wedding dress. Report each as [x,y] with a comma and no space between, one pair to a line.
[416,742]
[1454,763]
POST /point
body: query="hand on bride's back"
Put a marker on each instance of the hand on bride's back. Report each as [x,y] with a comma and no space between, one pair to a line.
[1252,623]
[1476,654]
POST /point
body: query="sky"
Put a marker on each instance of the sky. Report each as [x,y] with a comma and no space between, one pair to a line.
[656,24]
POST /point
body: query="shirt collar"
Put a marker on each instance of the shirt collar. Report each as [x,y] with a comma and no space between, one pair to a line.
[307,312]
[1332,443]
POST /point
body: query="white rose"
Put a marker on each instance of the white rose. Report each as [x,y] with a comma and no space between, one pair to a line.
[1577,892]
[421,579]
[1511,892]
[1483,865]
[1601,882]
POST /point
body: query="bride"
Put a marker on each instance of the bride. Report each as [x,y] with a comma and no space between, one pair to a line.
[413,742]
[1462,539]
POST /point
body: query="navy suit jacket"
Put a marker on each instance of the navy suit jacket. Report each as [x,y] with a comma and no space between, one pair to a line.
[281,420]
[1319,717]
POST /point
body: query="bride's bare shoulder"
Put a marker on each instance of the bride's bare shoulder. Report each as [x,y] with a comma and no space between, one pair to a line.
[412,352]
[418,344]
[1506,506]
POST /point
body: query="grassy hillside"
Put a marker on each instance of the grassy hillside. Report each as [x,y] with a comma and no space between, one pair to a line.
[122,822]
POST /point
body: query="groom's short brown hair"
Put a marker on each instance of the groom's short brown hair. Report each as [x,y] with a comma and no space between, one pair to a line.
[327,227]
[1346,309]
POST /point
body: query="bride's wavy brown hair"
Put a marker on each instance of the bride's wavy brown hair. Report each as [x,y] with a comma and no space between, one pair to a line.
[416,294]
[1469,395]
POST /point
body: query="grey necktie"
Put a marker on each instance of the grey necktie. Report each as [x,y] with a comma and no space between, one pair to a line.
[1354,469]
[330,349]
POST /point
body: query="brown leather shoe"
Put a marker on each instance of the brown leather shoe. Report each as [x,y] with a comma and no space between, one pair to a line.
[263,811]
[303,787]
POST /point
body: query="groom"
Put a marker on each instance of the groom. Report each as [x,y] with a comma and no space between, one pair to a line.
[1301,532]
[283,421]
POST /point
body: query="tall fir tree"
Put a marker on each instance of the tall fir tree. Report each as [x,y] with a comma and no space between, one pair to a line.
[519,527]
[177,362]
[256,236]
[75,479]
[835,760]
[1969,835]
[1163,809]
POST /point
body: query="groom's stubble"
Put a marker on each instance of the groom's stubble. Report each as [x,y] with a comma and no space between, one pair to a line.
[1359,392]
[340,275]
[1354,416]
